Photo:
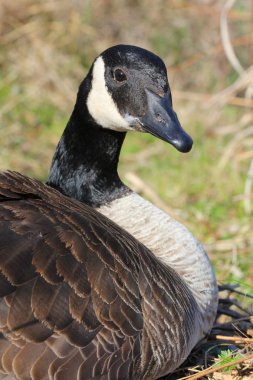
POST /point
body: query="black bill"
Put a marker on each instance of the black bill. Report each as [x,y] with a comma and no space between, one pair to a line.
[161,121]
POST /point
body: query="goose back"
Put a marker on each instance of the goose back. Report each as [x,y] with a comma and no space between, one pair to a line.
[81,296]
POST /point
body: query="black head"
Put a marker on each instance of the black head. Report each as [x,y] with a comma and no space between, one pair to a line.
[129,90]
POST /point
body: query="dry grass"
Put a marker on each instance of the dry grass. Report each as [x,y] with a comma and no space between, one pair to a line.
[45,50]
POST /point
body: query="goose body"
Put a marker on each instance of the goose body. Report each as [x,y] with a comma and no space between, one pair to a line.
[96,282]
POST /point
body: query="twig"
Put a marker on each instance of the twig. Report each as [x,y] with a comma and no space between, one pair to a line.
[248,189]
[243,81]
[231,302]
[225,37]
[229,313]
[231,147]
[244,40]
[198,97]
[140,186]
[236,339]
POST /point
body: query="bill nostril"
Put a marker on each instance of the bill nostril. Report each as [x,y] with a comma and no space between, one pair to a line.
[159,118]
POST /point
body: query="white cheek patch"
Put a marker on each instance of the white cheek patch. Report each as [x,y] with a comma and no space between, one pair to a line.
[100,103]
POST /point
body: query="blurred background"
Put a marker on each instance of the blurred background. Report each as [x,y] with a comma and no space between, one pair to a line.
[46,48]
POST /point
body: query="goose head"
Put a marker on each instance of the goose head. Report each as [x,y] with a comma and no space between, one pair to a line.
[128,90]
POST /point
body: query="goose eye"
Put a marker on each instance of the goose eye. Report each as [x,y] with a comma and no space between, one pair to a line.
[119,75]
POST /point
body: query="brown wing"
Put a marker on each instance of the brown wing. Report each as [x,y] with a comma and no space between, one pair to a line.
[70,304]
[69,301]
[78,294]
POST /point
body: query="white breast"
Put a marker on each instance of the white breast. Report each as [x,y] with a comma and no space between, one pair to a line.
[172,244]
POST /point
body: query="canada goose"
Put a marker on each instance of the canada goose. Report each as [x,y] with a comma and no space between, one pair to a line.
[83,297]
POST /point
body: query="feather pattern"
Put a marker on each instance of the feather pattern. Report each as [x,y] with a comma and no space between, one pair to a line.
[83,296]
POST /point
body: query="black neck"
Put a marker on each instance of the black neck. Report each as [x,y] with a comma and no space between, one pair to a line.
[85,163]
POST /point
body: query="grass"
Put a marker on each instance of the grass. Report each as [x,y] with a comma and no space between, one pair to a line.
[228,357]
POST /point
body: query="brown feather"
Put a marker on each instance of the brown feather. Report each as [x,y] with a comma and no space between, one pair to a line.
[4,346]
[25,358]
[21,318]
[66,270]
[69,369]
[8,357]
[50,303]
[5,286]
[39,370]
